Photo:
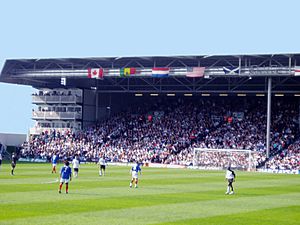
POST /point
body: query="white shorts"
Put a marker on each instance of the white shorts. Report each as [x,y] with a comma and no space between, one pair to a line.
[54,164]
[135,175]
[64,180]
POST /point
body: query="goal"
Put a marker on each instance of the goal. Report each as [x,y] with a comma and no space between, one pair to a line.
[208,158]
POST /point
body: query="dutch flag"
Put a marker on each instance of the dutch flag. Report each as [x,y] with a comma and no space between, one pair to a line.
[160,72]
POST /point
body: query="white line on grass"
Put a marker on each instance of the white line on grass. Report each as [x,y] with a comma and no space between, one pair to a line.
[50,182]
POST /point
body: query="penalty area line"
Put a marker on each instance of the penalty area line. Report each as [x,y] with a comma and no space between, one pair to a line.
[50,182]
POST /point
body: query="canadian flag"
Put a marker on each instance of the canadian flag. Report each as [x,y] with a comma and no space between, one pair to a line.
[95,73]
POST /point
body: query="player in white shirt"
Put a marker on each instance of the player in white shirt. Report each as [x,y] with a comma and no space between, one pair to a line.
[75,163]
[230,177]
[134,175]
[102,164]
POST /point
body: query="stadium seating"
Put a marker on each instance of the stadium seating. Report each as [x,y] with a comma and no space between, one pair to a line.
[168,130]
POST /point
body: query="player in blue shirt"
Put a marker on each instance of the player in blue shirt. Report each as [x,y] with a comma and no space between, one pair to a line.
[65,176]
[134,174]
[54,161]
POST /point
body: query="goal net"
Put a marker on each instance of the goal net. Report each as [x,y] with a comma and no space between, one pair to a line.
[205,158]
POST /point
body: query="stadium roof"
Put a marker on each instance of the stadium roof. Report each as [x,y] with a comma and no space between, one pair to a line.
[252,74]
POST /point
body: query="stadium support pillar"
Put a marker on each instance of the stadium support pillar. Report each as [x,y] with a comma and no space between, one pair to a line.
[299,114]
[269,115]
[97,105]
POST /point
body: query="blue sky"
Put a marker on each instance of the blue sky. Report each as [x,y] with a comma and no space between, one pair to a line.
[49,29]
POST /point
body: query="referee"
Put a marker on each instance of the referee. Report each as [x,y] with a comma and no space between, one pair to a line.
[13,163]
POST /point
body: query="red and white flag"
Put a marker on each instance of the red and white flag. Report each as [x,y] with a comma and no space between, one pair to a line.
[195,71]
[95,73]
[297,71]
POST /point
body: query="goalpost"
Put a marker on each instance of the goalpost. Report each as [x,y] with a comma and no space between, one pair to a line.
[218,159]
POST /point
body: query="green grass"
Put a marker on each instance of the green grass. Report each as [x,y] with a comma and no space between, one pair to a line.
[164,196]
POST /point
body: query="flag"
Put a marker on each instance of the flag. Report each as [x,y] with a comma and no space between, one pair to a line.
[297,71]
[160,72]
[127,71]
[95,73]
[195,71]
[231,70]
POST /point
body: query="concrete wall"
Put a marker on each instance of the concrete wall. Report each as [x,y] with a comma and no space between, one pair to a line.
[89,107]
[109,104]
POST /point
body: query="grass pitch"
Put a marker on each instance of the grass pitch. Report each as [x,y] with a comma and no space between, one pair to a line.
[164,196]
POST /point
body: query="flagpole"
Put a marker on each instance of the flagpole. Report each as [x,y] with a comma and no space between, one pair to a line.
[269,116]
[97,100]
[240,64]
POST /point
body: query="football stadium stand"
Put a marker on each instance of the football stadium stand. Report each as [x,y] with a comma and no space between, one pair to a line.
[158,109]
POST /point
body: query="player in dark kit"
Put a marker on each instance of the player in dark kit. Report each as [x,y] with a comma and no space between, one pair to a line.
[13,163]
[0,158]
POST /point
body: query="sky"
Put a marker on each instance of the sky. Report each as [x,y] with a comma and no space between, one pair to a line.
[70,28]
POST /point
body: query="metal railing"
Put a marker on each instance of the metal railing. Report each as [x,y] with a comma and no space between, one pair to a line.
[56,115]
[39,130]
[56,99]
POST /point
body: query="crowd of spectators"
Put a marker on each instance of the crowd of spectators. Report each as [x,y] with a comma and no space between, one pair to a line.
[166,131]
[52,93]
[221,159]
[288,159]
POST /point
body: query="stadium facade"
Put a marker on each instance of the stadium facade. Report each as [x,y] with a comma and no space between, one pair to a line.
[75,92]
